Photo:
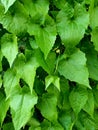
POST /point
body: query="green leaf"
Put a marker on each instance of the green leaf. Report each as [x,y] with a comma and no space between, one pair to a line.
[94,38]
[75,68]
[15,20]
[4,106]
[36,7]
[66,120]
[51,61]
[87,121]
[7,4]
[11,80]
[42,62]
[59,4]
[45,35]
[92,62]
[46,125]
[47,105]
[9,47]
[78,98]
[71,24]
[63,101]
[24,67]
[21,104]
[94,18]
[52,79]
[35,128]
[89,106]
[34,124]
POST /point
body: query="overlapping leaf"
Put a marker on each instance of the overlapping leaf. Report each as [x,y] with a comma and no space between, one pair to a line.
[26,69]
[78,99]
[75,68]
[21,104]
[71,24]
[9,47]
[54,80]
[15,20]
[11,80]
[47,106]
[45,35]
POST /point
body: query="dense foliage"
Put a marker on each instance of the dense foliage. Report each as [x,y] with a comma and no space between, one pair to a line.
[49,64]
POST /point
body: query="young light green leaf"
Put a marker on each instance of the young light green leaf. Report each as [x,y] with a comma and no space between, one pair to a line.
[71,24]
[7,4]
[89,106]
[21,105]
[78,98]
[75,68]
[11,80]
[9,47]
[4,106]
[94,38]
[15,20]
[54,80]
[47,106]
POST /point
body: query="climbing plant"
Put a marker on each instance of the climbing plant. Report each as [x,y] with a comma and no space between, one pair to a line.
[49,64]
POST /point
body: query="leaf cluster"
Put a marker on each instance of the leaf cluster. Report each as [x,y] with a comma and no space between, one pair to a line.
[49,64]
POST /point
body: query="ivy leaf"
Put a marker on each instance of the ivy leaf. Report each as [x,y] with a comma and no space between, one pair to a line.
[36,7]
[66,120]
[75,68]
[71,24]
[15,20]
[47,105]
[45,35]
[89,106]
[24,67]
[94,38]
[87,121]
[78,98]
[11,80]
[21,104]
[52,79]
[4,106]
[9,47]
[7,4]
